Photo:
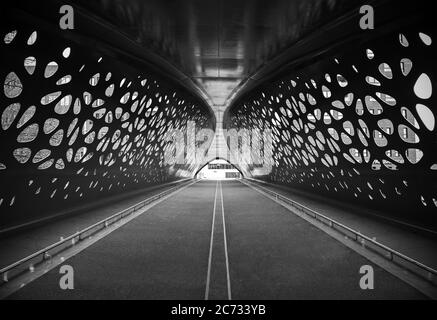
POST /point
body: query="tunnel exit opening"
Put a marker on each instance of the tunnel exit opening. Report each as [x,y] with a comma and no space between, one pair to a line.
[219,169]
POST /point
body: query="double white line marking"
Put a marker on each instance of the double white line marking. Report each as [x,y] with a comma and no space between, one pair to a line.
[225,243]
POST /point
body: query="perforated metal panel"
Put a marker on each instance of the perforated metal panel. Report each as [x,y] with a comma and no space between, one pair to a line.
[358,125]
[77,124]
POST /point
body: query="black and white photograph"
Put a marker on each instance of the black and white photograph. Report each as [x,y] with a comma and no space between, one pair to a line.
[214,157]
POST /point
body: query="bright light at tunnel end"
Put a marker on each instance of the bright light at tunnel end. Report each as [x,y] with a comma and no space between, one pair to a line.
[219,169]
[246,148]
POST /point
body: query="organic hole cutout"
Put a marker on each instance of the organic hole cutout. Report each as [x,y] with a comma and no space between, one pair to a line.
[46,164]
[9,115]
[102,132]
[28,134]
[27,115]
[423,87]
[56,138]
[406,66]
[426,115]
[22,155]
[30,64]
[414,155]
[49,98]
[51,69]
[385,70]
[69,155]
[109,90]
[9,37]
[125,98]
[326,92]
[94,80]
[386,125]
[87,126]
[80,153]
[406,113]
[373,106]
[12,85]
[90,137]
[32,38]
[63,105]
[73,137]
[349,98]
[109,117]
[50,125]
[426,39]
[386,98]
[66,52]
[379,138]
[338,104]
[77,106]
[407,134]
[403,40]
[372,81]
[98,114]
[41,155]
[72,126]
[341,81]
[64,80]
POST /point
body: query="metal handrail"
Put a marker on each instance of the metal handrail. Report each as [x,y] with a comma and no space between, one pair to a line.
[102,223]
[331,222]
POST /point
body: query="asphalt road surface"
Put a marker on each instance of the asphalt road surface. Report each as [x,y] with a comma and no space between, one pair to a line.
[218,240]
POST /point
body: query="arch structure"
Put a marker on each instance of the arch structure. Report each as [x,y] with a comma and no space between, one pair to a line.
[356,123]
[80,123]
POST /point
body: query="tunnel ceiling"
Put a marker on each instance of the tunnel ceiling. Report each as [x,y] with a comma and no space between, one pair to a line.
[217,44]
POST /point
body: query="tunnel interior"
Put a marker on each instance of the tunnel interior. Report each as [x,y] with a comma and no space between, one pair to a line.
[96,111]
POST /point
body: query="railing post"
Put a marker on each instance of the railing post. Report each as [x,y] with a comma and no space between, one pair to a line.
[46,255]
[390,255]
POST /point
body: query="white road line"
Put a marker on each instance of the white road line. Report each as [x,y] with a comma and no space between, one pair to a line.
[208,275]
[228,277]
